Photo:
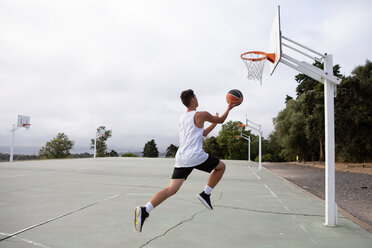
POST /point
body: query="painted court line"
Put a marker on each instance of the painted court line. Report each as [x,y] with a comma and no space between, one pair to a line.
[27,241]
[254,172]
[25,175]
[58,217]
[270,191]
[259,178]
[294,217]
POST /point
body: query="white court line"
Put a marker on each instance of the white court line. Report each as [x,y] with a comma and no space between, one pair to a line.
[259,178]
[294,217]
[254,173]
[303,228]
[58,217]
[270,191]
[27,240]
[21,175]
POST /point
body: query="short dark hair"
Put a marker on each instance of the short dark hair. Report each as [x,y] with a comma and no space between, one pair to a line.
[186,97]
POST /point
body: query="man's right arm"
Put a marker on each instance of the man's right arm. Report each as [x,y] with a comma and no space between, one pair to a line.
[218,119]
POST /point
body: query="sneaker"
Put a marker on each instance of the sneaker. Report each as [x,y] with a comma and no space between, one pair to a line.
[205,199]
[140,215]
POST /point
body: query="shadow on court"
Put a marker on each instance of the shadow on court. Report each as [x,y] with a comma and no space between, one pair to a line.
[90,203]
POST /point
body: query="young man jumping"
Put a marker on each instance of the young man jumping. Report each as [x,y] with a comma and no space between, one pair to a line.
[190,155]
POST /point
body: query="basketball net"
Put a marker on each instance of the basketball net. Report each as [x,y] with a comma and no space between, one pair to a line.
[255,62]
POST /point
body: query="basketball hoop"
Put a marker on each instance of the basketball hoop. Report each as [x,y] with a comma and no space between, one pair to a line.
[26,125]
[255,62]
[241,127]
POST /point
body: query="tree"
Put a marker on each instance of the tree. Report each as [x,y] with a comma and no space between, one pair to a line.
[271,149]
[353,116]
[101,141]
[171,151]
[290,131]
[233,148]
[210,146]
[113,153]
[150,150]
[59,147]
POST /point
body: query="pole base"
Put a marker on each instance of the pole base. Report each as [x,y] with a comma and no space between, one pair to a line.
[329,225]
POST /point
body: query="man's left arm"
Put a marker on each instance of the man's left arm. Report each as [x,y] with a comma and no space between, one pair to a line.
[210,128]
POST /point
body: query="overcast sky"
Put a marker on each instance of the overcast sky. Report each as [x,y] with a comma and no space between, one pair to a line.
[75,65]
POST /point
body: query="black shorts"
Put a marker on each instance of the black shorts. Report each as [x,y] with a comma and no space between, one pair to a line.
[207,166]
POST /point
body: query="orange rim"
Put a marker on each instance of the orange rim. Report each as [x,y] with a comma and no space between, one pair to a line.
[269,56]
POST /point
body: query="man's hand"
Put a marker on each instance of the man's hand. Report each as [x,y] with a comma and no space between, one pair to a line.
[231,106]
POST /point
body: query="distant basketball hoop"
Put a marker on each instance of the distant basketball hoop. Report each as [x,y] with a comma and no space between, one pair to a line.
[27,126]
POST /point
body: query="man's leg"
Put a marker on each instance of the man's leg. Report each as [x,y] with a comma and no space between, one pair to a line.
[173,187]
[213,180]
[141,213]
[216,175]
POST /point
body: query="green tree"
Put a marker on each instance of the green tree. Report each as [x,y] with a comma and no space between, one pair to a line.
[59,147]
[150,150]
[113,153]
[210,146]
[171,151]
[101,141]
[271,149]
[310,94]
[353,116]
[233,148]
[290,131]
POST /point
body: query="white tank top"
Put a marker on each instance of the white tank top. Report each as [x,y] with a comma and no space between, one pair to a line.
[190,153]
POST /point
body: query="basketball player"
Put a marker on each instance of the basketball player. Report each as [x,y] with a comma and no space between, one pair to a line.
[189,156]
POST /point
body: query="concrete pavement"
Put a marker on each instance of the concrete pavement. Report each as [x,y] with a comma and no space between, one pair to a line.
[90,203]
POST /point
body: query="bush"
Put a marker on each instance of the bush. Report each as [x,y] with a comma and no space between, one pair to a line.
[129,155]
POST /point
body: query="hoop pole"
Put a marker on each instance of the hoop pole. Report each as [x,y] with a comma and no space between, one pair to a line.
[12,146]
[95,147]
[329,93]
[259,141]
[259,151]
[248,138]
[249,150]
[305,47]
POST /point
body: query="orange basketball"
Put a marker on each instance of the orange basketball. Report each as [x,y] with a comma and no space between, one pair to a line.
[234,96]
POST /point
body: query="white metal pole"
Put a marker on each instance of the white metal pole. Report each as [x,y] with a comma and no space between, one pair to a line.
[249,149]
[12,146]
[95,146]
[259,150]
[329,93]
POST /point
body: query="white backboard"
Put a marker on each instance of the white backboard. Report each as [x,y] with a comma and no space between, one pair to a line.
[23,120]
[276,41]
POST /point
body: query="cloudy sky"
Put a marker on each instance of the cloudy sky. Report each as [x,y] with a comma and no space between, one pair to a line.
[75,65]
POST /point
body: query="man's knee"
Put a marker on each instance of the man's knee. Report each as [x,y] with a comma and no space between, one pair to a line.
[221,167]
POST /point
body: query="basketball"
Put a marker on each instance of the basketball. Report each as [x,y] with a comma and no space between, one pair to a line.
[235,97]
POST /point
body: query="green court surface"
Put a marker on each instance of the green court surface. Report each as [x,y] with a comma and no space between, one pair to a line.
[90,203]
